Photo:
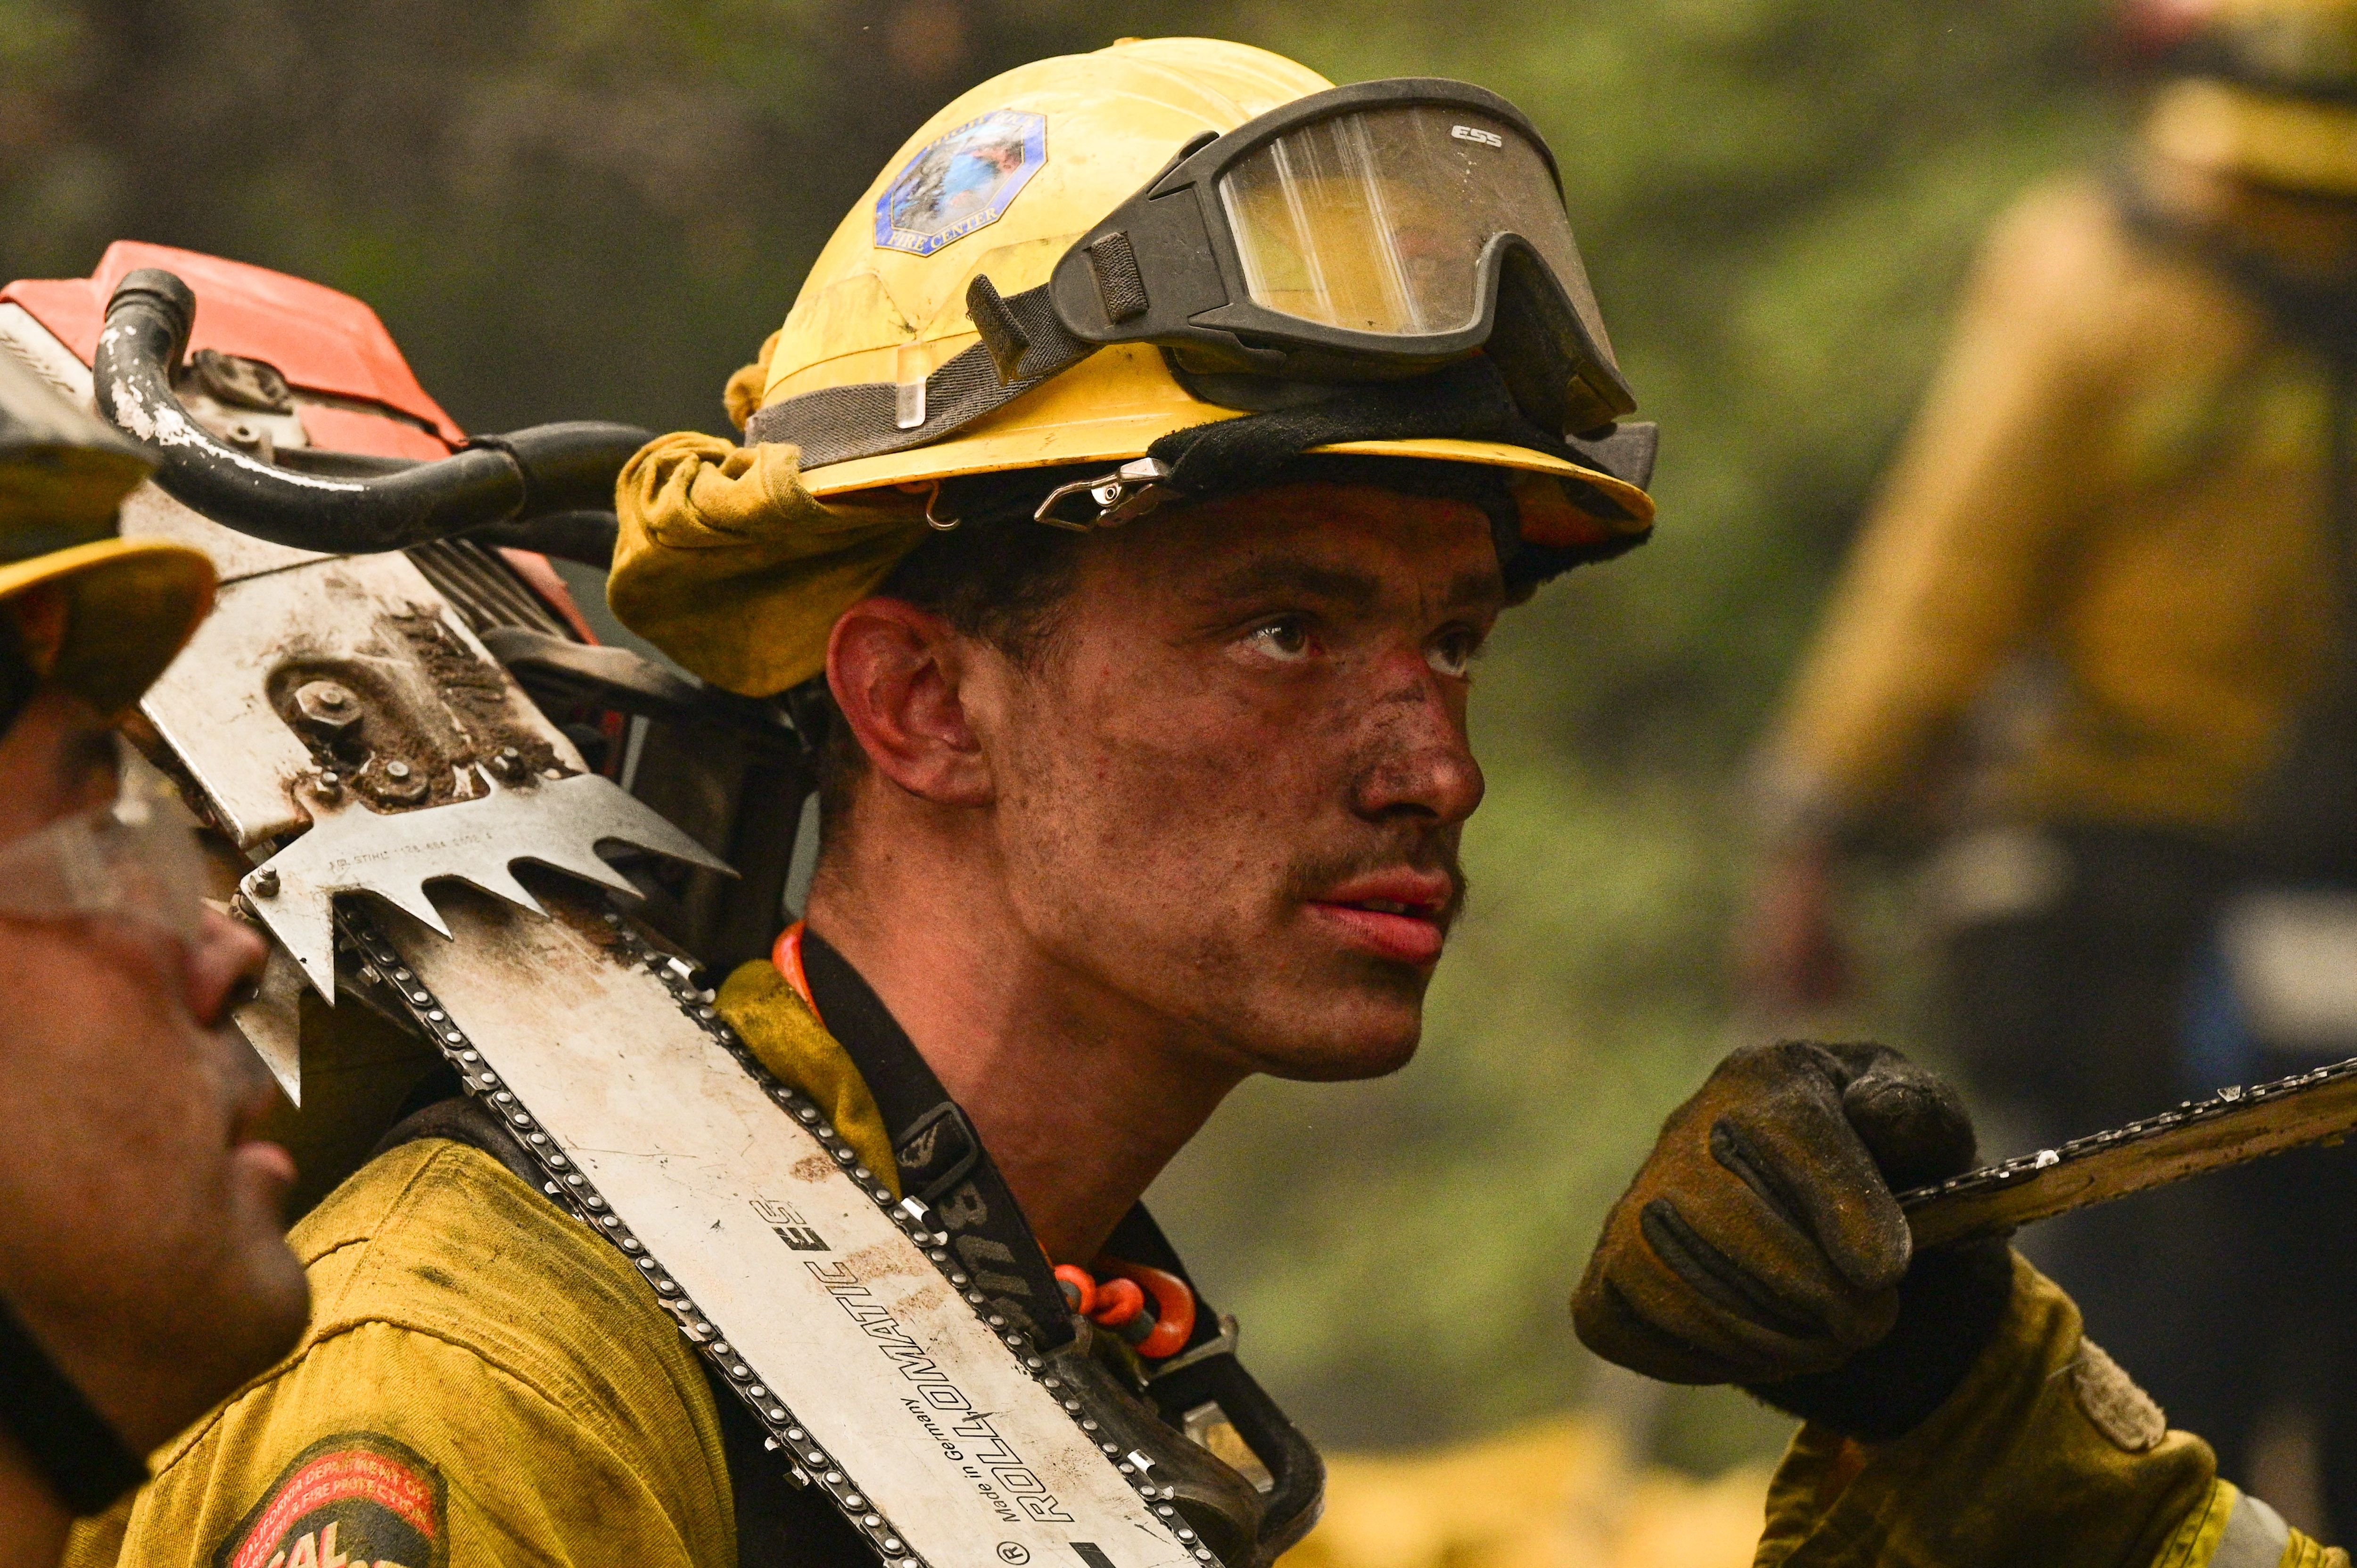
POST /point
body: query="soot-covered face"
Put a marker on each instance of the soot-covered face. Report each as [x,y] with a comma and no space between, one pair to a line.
[1229,786]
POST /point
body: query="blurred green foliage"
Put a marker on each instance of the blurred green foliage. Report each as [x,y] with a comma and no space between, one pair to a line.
[599,208]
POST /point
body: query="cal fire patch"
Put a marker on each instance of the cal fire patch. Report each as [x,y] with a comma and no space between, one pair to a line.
[353,1500]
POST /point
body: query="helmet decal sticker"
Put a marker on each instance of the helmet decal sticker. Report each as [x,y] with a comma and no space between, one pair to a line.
[960,182]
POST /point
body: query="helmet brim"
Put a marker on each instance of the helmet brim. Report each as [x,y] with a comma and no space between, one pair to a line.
[2264,138]
[131,606]
[1115,407]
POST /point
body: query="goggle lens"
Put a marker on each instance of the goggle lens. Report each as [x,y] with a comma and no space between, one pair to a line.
[136,859]
[1376,220]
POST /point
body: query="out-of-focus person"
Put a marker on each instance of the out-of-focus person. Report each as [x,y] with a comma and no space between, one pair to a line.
[2094,627]
[142,1272]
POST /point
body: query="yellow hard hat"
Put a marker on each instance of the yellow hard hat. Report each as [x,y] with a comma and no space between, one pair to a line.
[127,604]
[736,561]
[2264,90]
[1082,132]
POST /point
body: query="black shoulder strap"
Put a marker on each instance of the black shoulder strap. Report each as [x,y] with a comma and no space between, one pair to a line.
[941,1157]
[942,1160]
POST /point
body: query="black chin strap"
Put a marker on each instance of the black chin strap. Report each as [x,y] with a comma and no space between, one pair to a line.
[18,679]
[69,1442]
[944,1164]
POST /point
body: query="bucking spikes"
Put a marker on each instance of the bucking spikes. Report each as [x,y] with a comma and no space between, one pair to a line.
[557,824]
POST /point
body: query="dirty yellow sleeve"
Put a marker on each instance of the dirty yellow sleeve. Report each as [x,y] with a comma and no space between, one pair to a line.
[2046,1456]
[484,1383]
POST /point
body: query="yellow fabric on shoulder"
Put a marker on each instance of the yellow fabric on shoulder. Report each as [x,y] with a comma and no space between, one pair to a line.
[484,1383]
[786,1037]
[727,564]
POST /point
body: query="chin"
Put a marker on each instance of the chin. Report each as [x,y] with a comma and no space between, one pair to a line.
[271,1304]
[265,1317]
[1363,1032]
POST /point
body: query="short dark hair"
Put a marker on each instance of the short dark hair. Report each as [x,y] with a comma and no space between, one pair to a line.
[997,576]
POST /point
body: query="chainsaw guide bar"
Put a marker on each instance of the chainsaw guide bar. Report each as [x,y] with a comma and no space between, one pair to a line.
[2230,1127]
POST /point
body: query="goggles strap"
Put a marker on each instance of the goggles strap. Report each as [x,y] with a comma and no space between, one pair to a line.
[67,1440]
[1022,344]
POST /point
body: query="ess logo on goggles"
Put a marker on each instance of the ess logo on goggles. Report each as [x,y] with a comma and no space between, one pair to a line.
[1364,233]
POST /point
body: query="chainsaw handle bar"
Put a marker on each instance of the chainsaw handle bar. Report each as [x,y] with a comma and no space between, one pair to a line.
[498,482]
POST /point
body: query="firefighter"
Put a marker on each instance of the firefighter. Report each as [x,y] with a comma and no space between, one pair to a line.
[1147,644]
[2098,622]
[143,1274]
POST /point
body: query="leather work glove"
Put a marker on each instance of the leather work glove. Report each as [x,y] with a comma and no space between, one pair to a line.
[1761,1243]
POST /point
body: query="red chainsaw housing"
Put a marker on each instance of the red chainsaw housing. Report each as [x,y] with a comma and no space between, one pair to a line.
[323,342]
[326,344]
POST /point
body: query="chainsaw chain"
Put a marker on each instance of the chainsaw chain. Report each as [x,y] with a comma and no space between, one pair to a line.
[1989,1178]
[565,1184]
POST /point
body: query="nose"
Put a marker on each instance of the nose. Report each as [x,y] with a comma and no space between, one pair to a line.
[224,965]
[1419,760]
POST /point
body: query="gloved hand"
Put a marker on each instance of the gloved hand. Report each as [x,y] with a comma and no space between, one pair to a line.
[1760,1244]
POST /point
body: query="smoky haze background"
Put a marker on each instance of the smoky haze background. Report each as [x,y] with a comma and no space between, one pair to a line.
[570,209]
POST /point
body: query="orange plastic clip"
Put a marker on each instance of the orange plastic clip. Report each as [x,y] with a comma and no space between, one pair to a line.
[1174,1303]
[787,956]
[1080,1290]
[1119,1303]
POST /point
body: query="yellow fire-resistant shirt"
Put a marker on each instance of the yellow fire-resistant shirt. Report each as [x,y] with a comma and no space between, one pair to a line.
[2119,471]
[484,1383]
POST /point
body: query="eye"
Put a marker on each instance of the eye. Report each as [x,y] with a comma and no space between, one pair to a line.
[1282,638]
[1452,652]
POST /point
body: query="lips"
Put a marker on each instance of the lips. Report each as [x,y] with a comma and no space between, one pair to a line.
[1400,915]
[265,1162]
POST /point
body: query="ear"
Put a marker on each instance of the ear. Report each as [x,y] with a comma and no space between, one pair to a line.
[895,671]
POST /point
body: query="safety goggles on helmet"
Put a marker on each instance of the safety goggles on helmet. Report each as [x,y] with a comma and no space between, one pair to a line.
[1368,232]
[1364,233]
[136,859]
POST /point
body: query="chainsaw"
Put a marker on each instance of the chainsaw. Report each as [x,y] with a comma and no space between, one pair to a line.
[2232,1127]
[452,809]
